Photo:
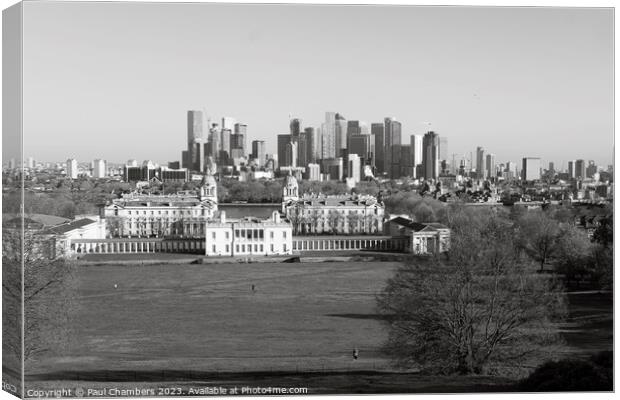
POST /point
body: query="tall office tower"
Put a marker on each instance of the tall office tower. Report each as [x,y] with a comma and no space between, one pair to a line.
[258,152]
[443,148]
[225,145]
[430,155]
[591,169]
[490,164]
[290,155]
[99,169]
[362,146]
[195,136]
[406,164]
[531,169]
[302,149]
[241,133]
[237,141]
[283,141]
[416,152]
[511,170]
[364,129]
[312,145]
[328,136]
[215,140]
[377,130]
[480,163]
[340,134]
[354,168]
[392,154]
[571,169]
[353,128]
[580,169]
[295,128]
[229,123]
[72,168]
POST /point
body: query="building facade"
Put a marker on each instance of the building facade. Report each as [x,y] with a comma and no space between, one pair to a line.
[183,214]
[320,214]
[248,236]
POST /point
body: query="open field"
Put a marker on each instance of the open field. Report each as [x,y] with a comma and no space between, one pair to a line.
[203,324]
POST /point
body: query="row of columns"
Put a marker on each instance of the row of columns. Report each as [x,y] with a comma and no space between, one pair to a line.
[129,246]
[395,244]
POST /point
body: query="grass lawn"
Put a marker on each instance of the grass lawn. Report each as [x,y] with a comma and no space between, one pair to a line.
[203,324]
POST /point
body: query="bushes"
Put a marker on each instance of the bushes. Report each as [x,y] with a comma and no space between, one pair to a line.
[595,374]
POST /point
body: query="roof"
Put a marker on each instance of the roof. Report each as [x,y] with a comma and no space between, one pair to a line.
[64,228]
[417,226]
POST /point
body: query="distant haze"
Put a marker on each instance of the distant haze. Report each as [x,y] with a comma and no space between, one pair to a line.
[115,80]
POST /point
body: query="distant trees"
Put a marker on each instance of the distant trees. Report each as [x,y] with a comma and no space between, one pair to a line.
[481,310]
[538,234]
[418,208]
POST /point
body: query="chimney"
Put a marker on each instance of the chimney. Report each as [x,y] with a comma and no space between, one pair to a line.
[223,217]
[276,217]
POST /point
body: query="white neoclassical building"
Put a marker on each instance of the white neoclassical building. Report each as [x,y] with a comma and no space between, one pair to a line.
[183,214]
[339,214]
[423,238]
[248,236]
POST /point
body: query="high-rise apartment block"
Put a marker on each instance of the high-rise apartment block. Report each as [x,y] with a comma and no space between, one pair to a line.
[481,170]
[531,169]
[259,152]
[72,168]
[378,131]
[580,169]
[99,169]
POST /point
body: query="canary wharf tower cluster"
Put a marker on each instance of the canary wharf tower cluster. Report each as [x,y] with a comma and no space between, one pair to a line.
[337,149]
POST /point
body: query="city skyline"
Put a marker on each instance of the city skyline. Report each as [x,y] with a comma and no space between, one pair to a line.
[471,72]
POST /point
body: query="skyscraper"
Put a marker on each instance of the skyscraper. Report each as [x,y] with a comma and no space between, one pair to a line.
[72,168]
[228,123]
[283,141]
[490,165]
[328,139]
[99,168]
[480,163]
[362,146]
[258,152]
[290,155]
[580,169]
[571,169]
[443,148]
[193,159]
[295,128]
[312,144]
[531,169]
[416,152]
[340,134]
[377,130]
[430,155]
[392,154]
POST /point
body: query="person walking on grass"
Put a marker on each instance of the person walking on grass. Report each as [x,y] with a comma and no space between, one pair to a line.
[356,353]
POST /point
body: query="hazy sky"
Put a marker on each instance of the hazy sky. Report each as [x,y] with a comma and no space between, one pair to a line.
[115,80]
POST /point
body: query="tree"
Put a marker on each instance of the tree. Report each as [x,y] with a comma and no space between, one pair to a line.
[538,235]
[49,289]
[480,311]
[574,251]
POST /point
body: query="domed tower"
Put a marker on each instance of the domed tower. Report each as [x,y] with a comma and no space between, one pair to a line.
[290,191]
[208,188]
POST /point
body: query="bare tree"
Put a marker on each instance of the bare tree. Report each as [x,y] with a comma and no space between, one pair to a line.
[481,311]
[538,235]
[49,289]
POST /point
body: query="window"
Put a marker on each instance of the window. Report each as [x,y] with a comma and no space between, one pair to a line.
[237,248]
[227,235]
[261,248]
[214,248]
[284,247]
[236,233]
[261,234]
[243,248]
[242,233]
[272,247]
[227,248]
[284,234]
[249,234]
[213,235]
[271,236]
[255,248]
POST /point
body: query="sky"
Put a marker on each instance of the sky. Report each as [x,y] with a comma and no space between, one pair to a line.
[115,80]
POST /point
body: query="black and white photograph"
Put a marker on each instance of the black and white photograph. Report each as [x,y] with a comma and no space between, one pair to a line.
[226,199]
